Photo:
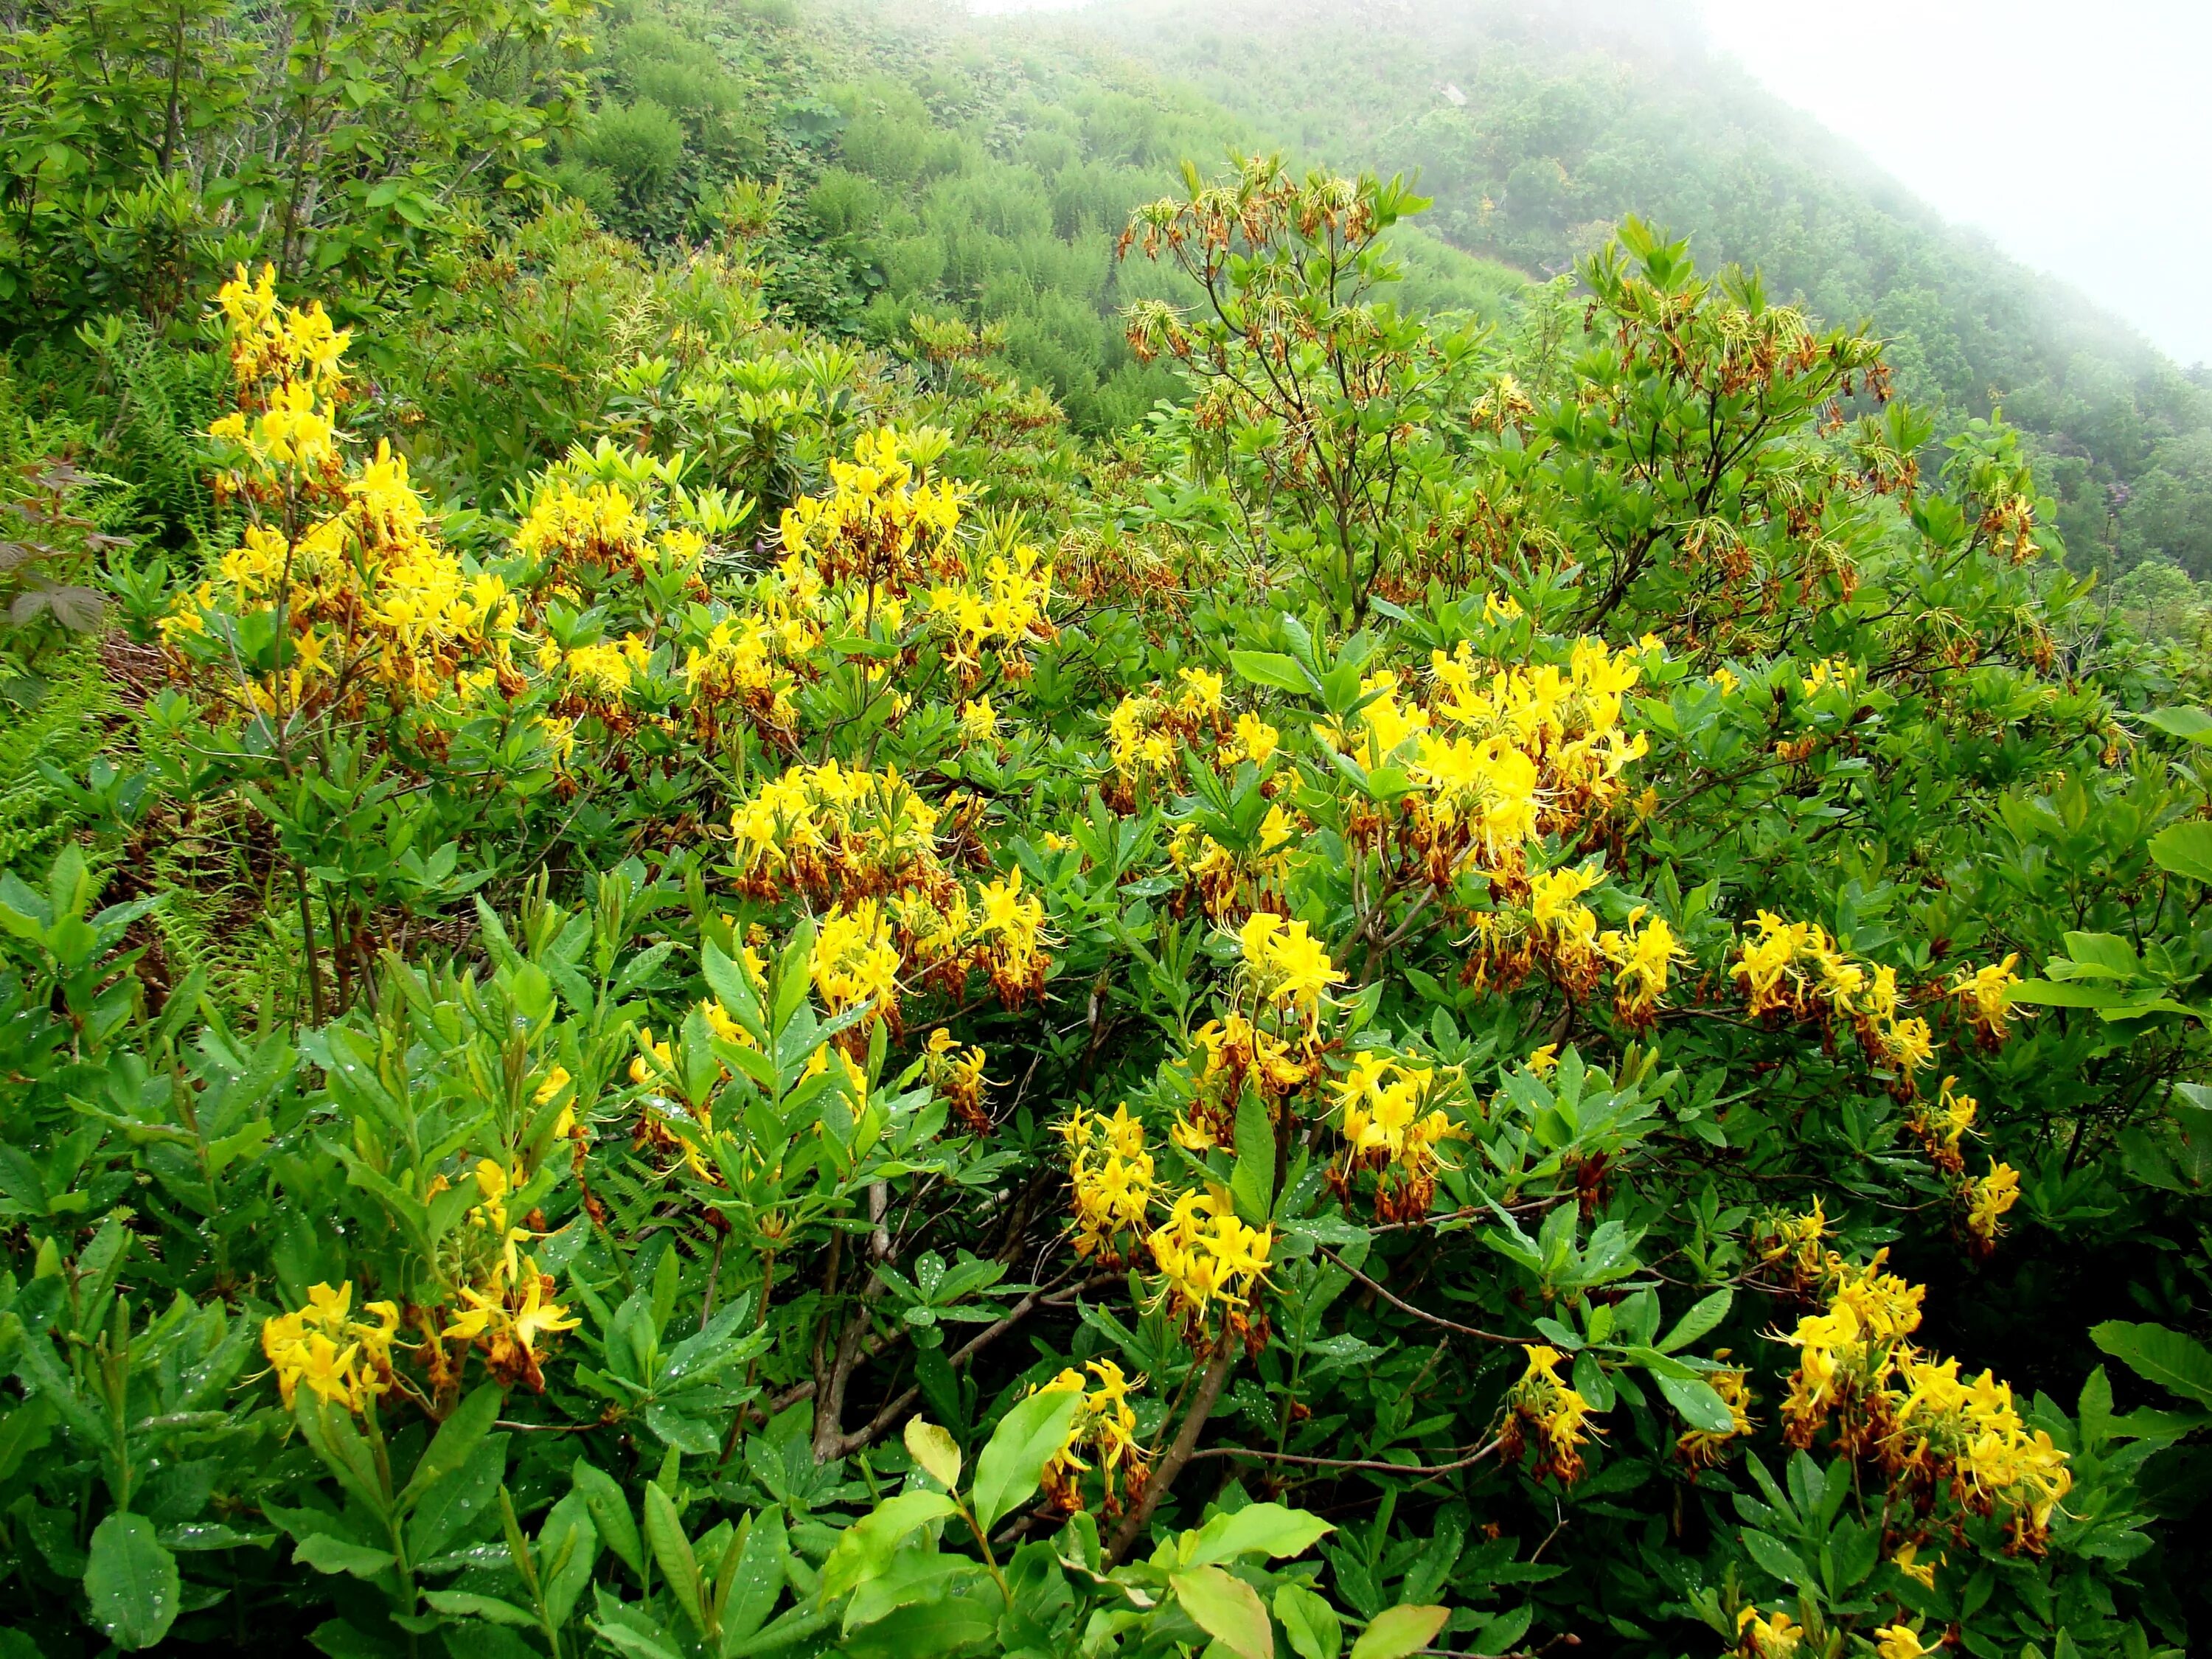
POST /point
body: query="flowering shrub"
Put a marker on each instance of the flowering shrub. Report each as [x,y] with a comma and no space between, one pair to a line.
[891,1075]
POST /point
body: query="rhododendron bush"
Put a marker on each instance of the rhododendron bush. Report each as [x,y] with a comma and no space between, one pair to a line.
[1441,1014]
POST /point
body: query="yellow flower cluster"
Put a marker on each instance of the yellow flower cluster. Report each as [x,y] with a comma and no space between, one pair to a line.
[1762,1637]
[957,1078]
[286,364]
[979,721]
[488,1215]
[1705,1448]
[1238,1053]
[269,340]
[849,838]
[868,846]
[885,524]
[1105,1425]
[1206,1256]
[1641,955]
[1544,1414]
[1793,969]
[1846,1352]
[1987,1198]
[1111,1173]
[367,596]
[1896,1405]
[832,832]
[1984,996]
[295,430]
[1561,928]
[1830,674]
[1565,722]
[1800,1240]
[856,962]
[1500,756]
[343,1360]
[1969,1432]
[596,679]
[1009,939]
[1012,609]
[1391,1125]
[1226,883]
[1285,967]
[508,1319]
[744,662]
[1939,1128]
[571,535]
[1276,1048]
[1147,731]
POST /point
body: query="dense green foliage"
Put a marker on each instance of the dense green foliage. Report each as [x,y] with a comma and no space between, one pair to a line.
[874,870]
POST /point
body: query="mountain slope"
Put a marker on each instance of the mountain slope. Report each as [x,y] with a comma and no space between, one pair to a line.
[1536,128]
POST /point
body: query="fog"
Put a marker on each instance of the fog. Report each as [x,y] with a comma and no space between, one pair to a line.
[2079,138]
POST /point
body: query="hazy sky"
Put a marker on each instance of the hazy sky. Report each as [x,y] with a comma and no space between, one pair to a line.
[2077,133]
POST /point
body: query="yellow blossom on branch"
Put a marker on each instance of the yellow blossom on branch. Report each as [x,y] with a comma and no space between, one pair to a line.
[342,1360]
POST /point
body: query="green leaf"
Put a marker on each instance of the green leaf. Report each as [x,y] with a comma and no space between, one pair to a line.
[1700,1406]
[2106,954]
[326,1552]
[1700,1319]
[2050,993]
[1270,1530]
[1774,1556]
[24,1431]
[1399,1631]
[625,1639]
[2178,1364]
[343,1452]
[1226,1608]
[868,1544]
[465,1604]
[457,1437]
[2186,849]
[1252,1184]
[131,1583]
[449,1508]
[2190,724]
[730,988]
[935,1450]
[1273,668]
[1315,1630]
[610,1514]
[1012,1465]
[663,1530]
[1503,1633]
[920,1629]
[758,1580]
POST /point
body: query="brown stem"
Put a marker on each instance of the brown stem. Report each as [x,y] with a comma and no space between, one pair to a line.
[1218,1367]
[307,942]
[829,1390]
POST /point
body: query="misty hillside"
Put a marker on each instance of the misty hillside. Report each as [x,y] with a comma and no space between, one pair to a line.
[1537,126]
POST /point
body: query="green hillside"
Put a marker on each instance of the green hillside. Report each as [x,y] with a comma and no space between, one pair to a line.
[1577,114]
[923,168]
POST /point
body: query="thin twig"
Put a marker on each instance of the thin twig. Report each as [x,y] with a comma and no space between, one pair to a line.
[1352,1463]
[1403,1306]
